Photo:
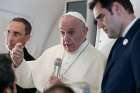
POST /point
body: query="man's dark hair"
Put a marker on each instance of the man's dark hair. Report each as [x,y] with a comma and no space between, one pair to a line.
[7,76]
[61,87]
[27,24]
[108,4]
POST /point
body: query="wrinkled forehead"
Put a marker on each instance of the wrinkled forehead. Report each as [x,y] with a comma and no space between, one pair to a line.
[16,25]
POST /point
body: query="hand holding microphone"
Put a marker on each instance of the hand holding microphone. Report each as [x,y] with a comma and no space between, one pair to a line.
[57,67]
[55,78]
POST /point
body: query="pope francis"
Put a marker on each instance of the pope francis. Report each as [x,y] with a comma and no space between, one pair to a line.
[74,62]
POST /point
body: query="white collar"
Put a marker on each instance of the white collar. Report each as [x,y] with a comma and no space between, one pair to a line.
[128,27]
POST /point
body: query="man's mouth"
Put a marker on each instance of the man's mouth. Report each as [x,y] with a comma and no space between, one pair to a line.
[67,45]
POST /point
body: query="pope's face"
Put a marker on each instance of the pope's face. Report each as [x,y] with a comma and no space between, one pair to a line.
[73,33]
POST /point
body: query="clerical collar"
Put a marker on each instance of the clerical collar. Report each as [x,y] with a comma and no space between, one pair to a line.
[82,46]
[129,26]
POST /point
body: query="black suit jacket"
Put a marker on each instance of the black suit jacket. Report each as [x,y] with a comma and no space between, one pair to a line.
[122,73]
[27,57]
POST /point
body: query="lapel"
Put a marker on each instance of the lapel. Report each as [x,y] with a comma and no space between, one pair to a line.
[27,56]
[119,48]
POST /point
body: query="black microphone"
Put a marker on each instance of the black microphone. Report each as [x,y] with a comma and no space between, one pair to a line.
[57,67]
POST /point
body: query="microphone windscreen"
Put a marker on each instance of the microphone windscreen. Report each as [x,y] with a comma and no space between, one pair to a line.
[57,67]
[58,62]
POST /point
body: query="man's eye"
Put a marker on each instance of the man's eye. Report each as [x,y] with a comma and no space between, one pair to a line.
[62,33]
[100,17]
[8,32]
[16,34]
[71,32]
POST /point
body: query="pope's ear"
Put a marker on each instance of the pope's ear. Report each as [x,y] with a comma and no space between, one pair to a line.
[86,30]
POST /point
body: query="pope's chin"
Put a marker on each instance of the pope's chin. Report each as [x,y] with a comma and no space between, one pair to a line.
[68,49]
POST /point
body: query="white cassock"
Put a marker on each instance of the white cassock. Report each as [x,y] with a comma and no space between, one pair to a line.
[83,67]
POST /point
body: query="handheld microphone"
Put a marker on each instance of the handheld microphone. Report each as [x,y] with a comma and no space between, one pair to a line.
[57,67]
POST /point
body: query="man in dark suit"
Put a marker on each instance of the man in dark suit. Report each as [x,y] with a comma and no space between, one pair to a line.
[117,19]
[18,31]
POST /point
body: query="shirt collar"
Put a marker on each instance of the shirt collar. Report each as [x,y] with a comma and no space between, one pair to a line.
[128,27]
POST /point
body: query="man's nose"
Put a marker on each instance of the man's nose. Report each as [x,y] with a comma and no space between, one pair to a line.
[10,37]
[66,38]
